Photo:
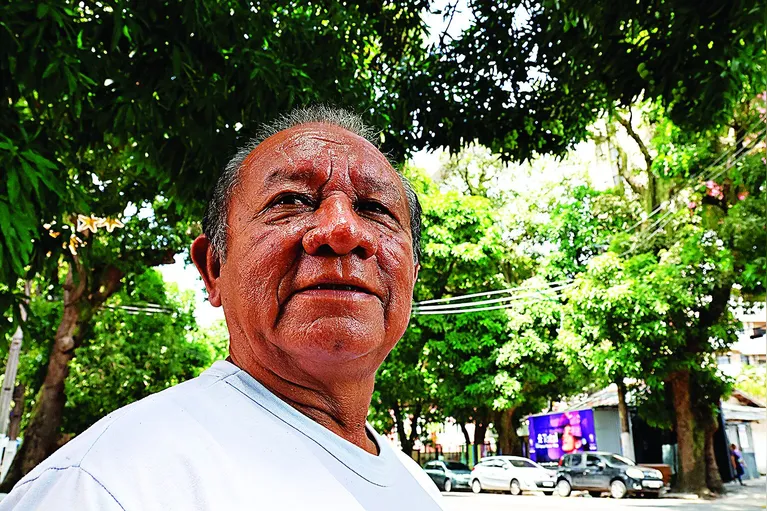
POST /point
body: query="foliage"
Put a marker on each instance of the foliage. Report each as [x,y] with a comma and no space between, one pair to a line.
[157,94]
[529,78]
[475,171]
[753,380]
[129,355]
[644,318]
[580,224]
[531,371]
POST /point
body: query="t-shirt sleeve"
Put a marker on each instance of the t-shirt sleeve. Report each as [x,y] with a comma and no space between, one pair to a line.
[61,488]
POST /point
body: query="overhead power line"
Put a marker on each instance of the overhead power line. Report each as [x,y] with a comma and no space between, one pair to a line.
[532,298]
[514,297]
[662,221]
[492,293]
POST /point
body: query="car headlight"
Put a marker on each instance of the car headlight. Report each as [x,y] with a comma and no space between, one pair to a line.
[634,473]
[658,474]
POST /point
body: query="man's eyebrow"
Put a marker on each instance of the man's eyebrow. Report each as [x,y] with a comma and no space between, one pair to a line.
[374,184]
[299,174]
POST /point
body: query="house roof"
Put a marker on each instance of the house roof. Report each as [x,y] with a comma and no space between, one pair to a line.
[740,397]
[733,412]
[605,398]
[741,407]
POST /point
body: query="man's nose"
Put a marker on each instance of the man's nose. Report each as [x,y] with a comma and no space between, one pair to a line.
[339,231]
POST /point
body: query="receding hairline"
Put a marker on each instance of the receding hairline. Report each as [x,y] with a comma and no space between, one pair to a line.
[284,136]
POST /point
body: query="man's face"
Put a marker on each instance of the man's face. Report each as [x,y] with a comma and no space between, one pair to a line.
[319,265]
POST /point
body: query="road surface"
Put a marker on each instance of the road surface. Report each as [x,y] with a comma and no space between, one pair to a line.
[753,497]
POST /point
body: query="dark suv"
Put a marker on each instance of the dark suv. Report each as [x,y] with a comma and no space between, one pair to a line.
[597,472]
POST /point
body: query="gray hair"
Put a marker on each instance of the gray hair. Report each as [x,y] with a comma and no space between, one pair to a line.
[214,222]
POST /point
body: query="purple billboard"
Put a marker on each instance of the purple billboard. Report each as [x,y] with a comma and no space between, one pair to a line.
[555,434]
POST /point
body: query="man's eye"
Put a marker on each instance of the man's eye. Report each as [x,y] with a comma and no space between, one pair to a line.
[370,206]
[292,199]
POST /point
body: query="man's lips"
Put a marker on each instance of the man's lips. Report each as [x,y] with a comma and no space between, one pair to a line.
[339,290]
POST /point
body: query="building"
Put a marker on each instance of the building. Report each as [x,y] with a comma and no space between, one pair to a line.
[743,422]
[746,422]
[751,347]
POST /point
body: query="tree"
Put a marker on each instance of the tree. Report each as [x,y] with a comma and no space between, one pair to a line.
[642,319]
[531,373]
[728,201]
[130,354]
[529,78]
[462,250]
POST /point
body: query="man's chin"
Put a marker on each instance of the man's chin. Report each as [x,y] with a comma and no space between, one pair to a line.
[331,339]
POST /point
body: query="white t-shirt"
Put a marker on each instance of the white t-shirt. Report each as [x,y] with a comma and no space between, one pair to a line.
[220,441]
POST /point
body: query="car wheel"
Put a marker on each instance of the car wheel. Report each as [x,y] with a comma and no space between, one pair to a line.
[548,493]
[617,489]
[475,486]
[448,485]
[563,488]
[595,494]
[515,488]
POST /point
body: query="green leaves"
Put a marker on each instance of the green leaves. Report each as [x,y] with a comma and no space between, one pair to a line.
[127,355]
[506,76]
[29,184]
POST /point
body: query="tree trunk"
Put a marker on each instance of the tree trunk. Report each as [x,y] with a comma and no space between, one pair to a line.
[42,434]
[713,477]
[399,422]
[480,428]
[691,475]
[466,435]
[627,446]
[18,410]
[413,429]
[508,440]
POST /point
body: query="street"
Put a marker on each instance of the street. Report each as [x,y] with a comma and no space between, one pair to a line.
[752,497]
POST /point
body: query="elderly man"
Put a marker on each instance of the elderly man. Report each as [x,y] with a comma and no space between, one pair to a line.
[311,247]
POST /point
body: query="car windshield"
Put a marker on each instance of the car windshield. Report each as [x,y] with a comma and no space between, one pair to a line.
[618,461]
[454,465]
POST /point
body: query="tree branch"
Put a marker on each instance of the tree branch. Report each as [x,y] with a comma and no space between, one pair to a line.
[447,27]
[633,134]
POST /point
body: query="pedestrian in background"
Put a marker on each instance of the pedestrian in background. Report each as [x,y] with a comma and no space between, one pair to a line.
[737,463]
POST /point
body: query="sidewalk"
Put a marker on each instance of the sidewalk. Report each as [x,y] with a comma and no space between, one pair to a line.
[755,491]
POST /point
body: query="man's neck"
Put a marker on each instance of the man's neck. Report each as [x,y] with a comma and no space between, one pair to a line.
[340,406]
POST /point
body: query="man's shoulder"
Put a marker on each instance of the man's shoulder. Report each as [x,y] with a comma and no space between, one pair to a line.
[132,430]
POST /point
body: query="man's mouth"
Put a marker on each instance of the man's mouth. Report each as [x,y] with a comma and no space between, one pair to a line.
[345,290]
[337,287]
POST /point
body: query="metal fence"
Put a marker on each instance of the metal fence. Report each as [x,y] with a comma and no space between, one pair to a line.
[467,455]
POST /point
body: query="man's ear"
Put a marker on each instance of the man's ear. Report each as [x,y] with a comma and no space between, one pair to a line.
[416,269]
[208,264]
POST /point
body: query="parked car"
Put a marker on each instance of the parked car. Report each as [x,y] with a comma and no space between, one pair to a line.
[513,474]
[598,472]
[448,475]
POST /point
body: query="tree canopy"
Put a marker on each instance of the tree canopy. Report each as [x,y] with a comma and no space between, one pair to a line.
[529,78]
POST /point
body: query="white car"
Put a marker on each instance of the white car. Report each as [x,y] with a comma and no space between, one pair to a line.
[513,474]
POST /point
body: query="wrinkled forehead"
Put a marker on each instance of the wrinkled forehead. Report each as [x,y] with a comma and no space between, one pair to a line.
[312,151]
